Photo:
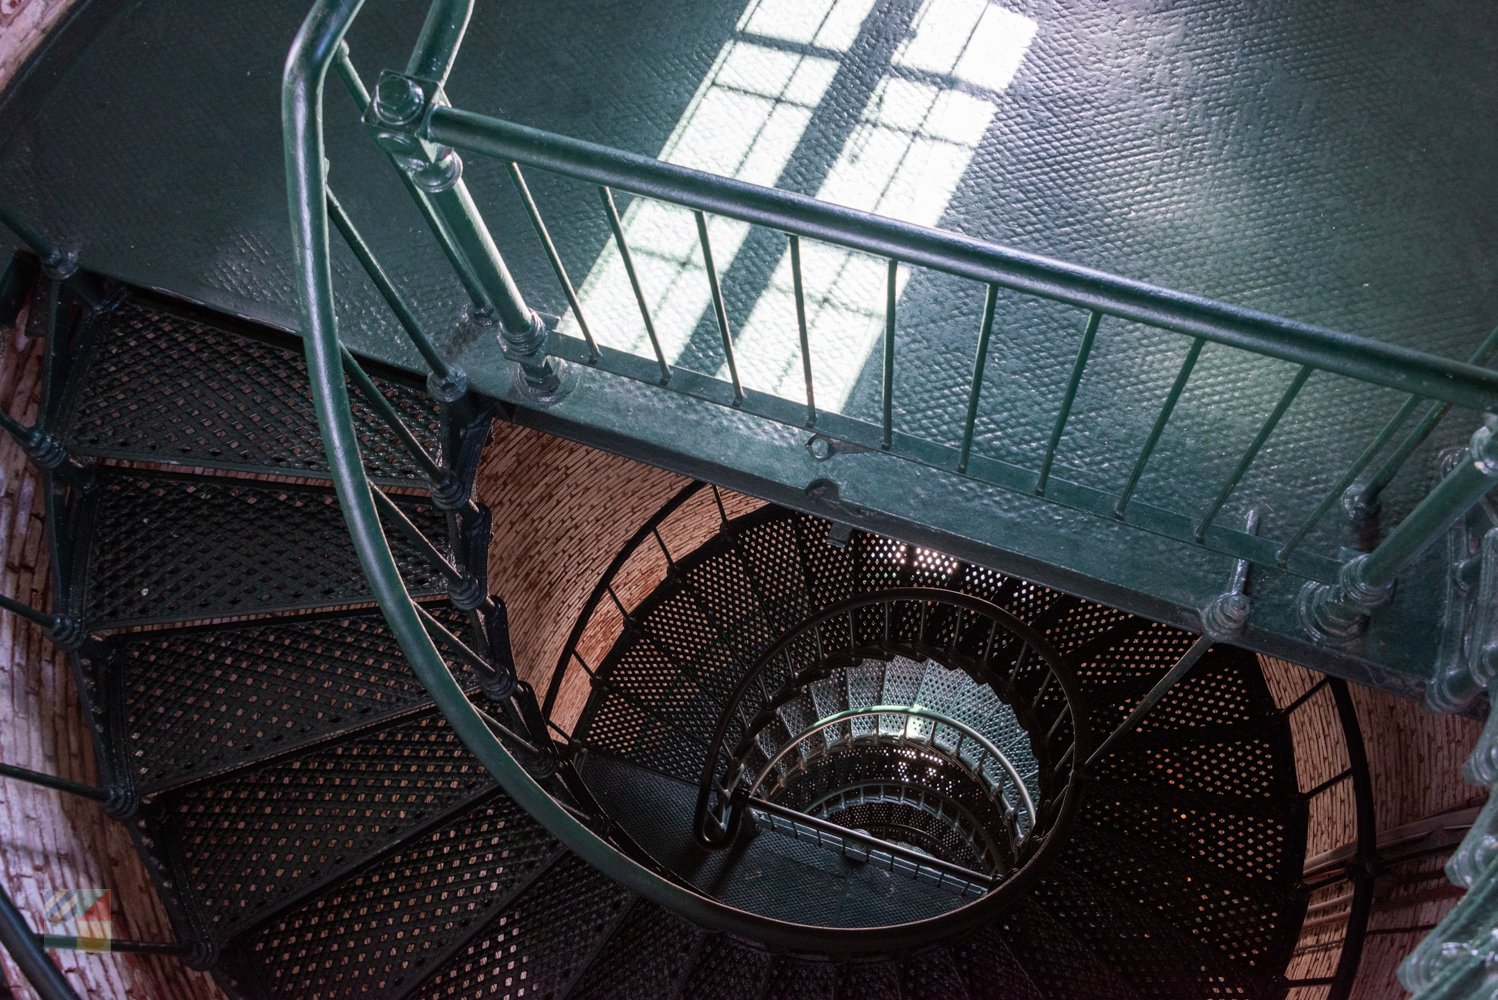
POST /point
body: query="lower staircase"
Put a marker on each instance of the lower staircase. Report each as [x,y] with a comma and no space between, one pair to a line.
[315,825]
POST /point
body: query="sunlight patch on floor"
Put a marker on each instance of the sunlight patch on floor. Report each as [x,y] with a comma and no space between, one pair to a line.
[912,143]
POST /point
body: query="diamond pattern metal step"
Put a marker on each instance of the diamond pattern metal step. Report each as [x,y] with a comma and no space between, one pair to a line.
[165,381]
[646,958]
[250,842]
[1233,914]
[540,944]
[177,548]
[196,702]
[1058,963]
[378,933]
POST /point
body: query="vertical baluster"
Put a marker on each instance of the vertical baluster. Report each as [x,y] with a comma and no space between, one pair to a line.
[722,514]
[1020,660]
[392,296]
[718,310]
[634,279]
[1253,449]
[1088,335]
[811,402]
[554,257]
[990,304]
[1367,498]
[1149,446]
[1045,686]
[1390,429]
[985,663]
[888,381]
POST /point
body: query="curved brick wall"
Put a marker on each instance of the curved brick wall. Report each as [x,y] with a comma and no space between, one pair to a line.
[562,511]
[50,842]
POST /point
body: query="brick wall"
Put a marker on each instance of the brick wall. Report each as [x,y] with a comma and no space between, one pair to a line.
[51,842]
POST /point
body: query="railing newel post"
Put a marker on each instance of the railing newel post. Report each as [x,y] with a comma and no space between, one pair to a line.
[1338,613]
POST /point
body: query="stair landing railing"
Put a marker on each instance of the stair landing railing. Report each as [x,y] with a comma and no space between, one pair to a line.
[410,119]
[960,631]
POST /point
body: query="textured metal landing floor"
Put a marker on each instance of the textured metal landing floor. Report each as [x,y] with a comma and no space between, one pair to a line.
[1331,162]
[771,874]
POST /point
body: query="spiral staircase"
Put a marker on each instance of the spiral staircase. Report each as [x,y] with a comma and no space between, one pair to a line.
[794,757]
[317,830]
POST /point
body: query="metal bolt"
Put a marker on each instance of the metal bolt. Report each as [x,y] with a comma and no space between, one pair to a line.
[398,100]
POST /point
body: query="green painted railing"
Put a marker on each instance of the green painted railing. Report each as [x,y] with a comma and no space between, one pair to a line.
[318,46]
[410,120]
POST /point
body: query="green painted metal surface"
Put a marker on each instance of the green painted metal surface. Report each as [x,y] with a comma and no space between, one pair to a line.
[1310,160]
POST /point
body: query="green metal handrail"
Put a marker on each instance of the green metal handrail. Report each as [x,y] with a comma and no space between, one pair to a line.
[1101,295]
[316,47]
[422,135]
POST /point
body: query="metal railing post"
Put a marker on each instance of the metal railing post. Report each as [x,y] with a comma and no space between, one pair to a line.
[1336,613]
[56,262]
[65,633]
[397,113]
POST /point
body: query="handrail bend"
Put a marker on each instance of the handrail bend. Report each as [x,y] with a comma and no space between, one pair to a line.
[312,53]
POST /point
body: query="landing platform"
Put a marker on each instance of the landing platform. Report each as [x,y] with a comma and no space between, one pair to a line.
[1332,162]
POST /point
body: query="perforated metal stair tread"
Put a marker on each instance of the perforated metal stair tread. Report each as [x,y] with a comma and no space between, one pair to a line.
[1152,956]
[379,932]
[1213,767]
[539,943]
[1252,845]
[1060,964]
[724,969]
[646,957]
[1268,808]
[1225,911]
[257,838]
[985,961]
[166,381]
[197,702]
[177,548]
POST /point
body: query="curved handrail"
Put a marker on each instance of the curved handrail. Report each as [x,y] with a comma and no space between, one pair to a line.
[312,53]
[910,711]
